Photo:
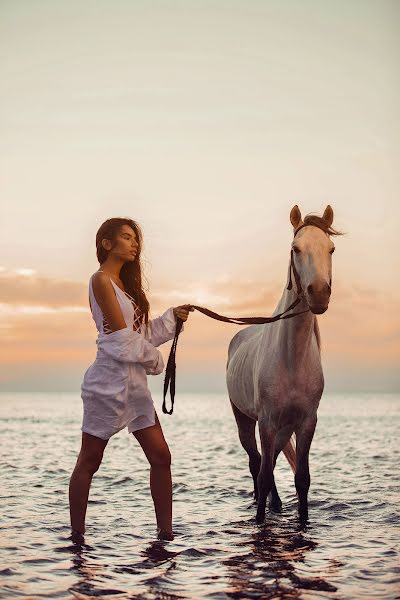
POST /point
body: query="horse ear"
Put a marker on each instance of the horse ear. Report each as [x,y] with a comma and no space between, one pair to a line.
[328,215]
[295,217]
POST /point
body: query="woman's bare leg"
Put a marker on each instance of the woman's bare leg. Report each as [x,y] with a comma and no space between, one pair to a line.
[88,462]
[157,452]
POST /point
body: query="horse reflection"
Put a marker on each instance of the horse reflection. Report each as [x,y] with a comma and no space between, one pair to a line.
[269,569]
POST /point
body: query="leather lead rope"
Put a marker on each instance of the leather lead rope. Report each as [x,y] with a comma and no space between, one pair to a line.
[170,371]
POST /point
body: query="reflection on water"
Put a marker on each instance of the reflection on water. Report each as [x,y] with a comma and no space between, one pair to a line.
[347,551]
[267,565]
[260,565]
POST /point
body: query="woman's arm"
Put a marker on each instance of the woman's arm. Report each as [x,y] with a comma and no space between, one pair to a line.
[123,344]
[162,329]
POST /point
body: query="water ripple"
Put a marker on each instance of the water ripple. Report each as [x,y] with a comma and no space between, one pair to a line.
[349,549]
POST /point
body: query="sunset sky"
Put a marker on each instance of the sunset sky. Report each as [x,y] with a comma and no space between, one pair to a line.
[206,121]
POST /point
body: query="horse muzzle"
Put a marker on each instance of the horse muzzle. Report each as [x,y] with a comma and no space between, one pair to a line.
[318,310]
[318,299]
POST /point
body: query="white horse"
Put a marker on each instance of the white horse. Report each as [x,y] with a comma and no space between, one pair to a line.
[274,373]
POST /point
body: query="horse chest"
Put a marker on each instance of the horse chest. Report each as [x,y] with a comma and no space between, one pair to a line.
[289,386]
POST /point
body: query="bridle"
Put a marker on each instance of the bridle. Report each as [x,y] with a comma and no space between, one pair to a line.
[170,371]
[299,288]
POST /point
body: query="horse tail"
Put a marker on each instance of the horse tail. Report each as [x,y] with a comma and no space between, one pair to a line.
[290,452]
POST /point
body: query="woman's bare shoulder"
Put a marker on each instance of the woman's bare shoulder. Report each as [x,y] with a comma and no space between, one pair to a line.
[100,276]
[106,298]
[101,283]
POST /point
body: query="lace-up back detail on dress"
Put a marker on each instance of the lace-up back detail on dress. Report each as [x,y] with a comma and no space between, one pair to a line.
[130,310]
[136,325]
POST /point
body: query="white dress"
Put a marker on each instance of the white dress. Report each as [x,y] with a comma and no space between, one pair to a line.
[114,388]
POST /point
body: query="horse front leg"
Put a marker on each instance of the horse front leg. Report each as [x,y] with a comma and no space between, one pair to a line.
[304,437]
[247,436]
[266,474]
[281,440]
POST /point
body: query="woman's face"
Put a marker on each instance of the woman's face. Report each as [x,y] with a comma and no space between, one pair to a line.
[125,244]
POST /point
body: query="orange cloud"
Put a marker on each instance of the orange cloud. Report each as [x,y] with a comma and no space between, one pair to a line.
[55,326]
[39,290]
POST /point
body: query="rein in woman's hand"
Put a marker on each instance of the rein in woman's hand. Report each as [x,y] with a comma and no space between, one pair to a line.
[182,311]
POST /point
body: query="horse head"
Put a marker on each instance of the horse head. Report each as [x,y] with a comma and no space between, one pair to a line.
[311,257]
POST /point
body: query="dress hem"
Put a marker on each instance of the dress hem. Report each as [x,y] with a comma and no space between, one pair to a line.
[85,430]
[144,421]
[152,422]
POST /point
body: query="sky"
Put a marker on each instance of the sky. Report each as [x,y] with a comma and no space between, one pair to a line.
[205,121]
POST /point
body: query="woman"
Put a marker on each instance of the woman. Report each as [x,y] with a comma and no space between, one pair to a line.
[114,388]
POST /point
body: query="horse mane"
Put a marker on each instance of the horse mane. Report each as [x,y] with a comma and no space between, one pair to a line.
[311,219]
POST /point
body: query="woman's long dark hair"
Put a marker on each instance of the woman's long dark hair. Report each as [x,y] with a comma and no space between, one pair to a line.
[131,272]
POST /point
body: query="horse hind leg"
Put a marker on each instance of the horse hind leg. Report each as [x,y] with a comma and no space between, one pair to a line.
[247,435]
[304,437]
[282,443]
[275,503]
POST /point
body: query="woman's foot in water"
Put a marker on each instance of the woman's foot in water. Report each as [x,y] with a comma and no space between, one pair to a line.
[77,537]
[163,534]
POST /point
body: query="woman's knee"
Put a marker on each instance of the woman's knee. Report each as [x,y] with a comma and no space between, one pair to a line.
[160,457]
[90,461]
[91,453]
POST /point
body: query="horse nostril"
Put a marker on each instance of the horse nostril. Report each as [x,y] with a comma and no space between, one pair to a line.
[326,290]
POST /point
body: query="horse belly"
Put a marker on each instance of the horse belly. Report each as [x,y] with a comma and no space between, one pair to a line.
[240,381]
[285,397]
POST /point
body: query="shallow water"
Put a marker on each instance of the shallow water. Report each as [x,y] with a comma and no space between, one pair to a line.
[349,550]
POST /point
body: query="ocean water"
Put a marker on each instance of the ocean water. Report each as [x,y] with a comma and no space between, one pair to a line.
[350,549]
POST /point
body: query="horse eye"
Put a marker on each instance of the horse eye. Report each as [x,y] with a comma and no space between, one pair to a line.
[332,251]
[296,249]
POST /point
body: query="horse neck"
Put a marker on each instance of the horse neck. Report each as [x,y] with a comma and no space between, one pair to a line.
[294,334]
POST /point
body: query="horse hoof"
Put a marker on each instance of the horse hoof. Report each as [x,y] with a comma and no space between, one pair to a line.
[260,518]
[275,507]
[303,519]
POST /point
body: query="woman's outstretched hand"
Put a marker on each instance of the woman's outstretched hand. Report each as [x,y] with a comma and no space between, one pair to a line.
[183,310]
